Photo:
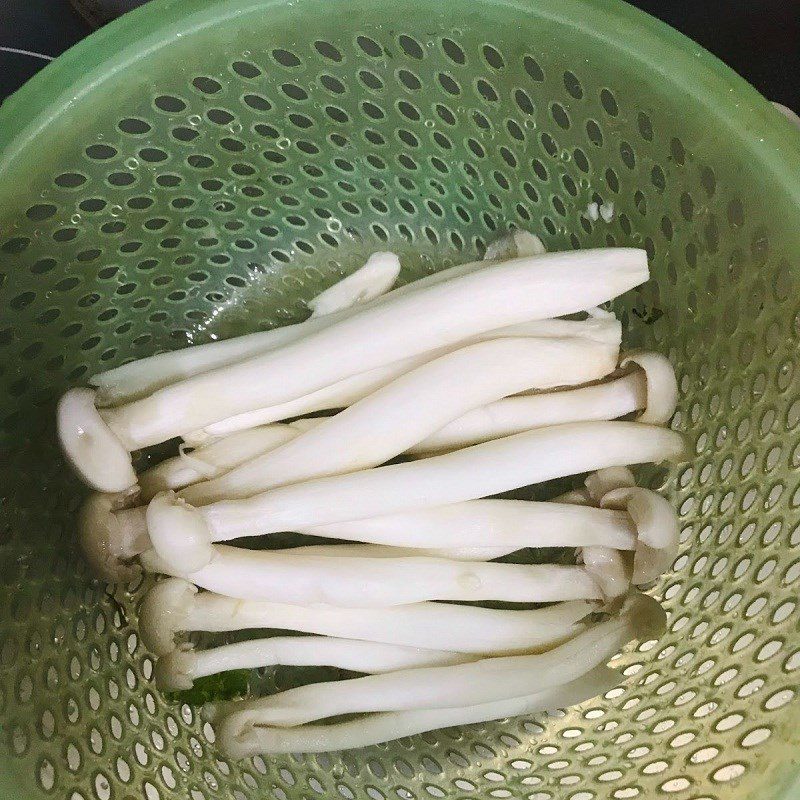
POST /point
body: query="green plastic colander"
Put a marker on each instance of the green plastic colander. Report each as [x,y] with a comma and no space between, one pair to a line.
[200,168]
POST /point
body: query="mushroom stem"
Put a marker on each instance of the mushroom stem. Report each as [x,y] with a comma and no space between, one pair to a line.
[174,606]
[412,407]
[375,278]
[239,741]
[602,401]
[347,391]
[217,457]
[358,581]
[475,529]
[137,379]
[504,524]
[483,681]
[435,316]
[338,395]
[179,669]
[484,469]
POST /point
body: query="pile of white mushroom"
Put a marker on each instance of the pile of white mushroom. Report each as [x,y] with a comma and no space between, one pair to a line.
[437,397]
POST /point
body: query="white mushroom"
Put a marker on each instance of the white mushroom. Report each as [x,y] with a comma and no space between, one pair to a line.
[90,446]
[174,606]
[601,401]
[657,530]
[502,525]
[338,395]
[139,378]
[365,581]
[375,278]
[177,670]
[482,681]
[244,742]
[651,389]
[604,480]
[605,330]
[112,538]
[485,469]
[475,529]
[662,386]
[217,457]
[421,320]
[410,408]
[609,565]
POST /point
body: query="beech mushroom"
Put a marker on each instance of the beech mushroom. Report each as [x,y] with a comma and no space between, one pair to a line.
[650,389]
[372,581]
[179,669]
[475,682]
[238,741]
[394,418]
[177,527]
[605,330]
[375,278]
[475,529]
[427,318]
[219,456]
[175,606]
[137,379]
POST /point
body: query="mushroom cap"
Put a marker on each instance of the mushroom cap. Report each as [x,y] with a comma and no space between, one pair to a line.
[604,480]
[647,618]
[662,386]
[574,497]
[98,456]
[608,568]
[107,543]
[164,613]
[231,731]
[657,530]
[179,533]
[174,671]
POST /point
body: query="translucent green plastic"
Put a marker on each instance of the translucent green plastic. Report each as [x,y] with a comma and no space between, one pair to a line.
[201,168]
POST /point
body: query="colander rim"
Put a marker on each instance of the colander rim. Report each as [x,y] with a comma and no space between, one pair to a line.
[735,104]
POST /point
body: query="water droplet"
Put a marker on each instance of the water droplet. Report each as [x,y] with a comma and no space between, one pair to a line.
[530,123]
[429,123]
[235,127]
[283,143]
[75,219]
[115,211]
[194,119]
[333,225]
[132,163]
[566,156]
